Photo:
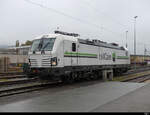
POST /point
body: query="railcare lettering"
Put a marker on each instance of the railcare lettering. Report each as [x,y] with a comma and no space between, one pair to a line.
[105,56]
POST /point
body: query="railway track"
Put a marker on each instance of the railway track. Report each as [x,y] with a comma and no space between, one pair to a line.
[140,69]
[17,84]
[12,77]
[16,81]
[140,79]
[133,74]
[12,73]
[31,85]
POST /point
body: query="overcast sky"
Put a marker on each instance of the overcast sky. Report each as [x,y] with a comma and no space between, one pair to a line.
[106,20]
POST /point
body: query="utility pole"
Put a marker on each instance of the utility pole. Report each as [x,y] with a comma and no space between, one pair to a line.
[145,50]
[126,39]
[135,40]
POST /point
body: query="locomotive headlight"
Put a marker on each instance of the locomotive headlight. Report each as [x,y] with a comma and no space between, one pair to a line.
[29,62]
[54,61]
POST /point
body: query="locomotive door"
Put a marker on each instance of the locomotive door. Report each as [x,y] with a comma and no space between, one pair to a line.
[70,53]
[74,57]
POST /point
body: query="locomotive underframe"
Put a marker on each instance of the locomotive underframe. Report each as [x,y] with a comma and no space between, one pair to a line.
[76,72]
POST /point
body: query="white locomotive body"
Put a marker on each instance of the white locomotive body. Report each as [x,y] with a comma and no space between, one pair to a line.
[61,53]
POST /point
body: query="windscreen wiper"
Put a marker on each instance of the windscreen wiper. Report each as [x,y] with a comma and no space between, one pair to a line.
[40,44]
[45,45]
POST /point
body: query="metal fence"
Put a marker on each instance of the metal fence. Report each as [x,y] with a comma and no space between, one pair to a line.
[12,63]
[4,62]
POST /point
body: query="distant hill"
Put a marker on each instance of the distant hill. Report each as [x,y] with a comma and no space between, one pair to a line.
[4,46]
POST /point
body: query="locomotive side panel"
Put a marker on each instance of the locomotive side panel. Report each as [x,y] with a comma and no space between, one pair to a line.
[67,53]
[96,55]
[59,54]
[123,57]
[106,56]
[88,55]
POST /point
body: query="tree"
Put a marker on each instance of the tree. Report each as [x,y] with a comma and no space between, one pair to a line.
[27,43]
[17,43]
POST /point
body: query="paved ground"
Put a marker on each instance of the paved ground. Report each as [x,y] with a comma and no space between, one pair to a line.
[137,101]
[109,96]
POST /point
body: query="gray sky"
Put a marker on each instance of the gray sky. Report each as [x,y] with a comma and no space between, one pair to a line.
[106,20]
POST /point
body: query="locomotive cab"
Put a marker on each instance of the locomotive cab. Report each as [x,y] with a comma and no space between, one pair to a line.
[47,55]
[41,52]
[42,55]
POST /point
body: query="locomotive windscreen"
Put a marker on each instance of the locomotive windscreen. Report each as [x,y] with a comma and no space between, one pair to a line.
[44,44]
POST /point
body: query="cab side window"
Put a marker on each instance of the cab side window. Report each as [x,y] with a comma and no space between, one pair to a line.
[74,47]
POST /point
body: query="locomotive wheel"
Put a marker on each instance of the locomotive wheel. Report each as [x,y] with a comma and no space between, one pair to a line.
[68,79]
[88,77]
[71,78]
[63,79]
[56,78]
[30,76]
[94,76]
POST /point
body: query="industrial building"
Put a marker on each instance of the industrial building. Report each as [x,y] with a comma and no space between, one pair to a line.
[140,59]
[13,58]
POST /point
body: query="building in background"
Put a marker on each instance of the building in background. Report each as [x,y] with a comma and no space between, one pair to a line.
[21,50]
[140,59]
[13,58]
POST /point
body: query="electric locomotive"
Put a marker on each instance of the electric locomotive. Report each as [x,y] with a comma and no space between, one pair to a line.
[65,56]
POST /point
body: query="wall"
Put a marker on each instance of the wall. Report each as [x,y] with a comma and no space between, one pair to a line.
[16,58]
[12,63]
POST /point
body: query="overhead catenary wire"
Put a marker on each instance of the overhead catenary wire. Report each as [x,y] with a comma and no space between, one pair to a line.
[89,4]
[72,17]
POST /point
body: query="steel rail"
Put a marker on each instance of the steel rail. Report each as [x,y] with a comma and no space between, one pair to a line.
[139,79]
[12,77]
[24,88]
[16,81]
